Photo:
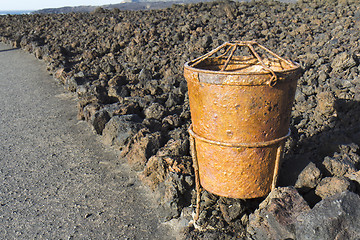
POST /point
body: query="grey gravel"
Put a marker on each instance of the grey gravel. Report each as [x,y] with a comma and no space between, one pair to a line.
[57,180]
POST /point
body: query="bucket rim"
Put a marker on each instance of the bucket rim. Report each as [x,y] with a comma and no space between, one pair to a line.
[285,71]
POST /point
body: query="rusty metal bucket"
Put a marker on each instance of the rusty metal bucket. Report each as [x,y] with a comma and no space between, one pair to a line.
[240,110]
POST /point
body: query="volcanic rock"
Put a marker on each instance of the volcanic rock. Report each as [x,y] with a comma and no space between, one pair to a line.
[309,177]
[120,129]
[155,111]
[339,165]
[231,209]
[342,61]
[325,105]
[89,110]
[155,172]
[276,216]
[143,146]
[336,217]
[99,120]
[330,186]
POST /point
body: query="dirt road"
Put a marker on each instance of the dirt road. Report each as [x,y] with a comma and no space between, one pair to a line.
[57,181]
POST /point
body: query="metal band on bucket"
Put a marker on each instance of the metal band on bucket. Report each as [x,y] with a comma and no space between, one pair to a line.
[247,145]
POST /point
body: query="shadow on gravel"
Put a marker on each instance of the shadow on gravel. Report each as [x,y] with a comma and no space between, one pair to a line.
[7,50]
[344,130]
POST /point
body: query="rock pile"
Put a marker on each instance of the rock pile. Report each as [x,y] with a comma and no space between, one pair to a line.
[126,67]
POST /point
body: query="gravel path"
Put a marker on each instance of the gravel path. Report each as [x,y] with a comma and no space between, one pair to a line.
[57,180]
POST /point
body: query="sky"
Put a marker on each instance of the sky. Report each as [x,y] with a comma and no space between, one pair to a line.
[40,4]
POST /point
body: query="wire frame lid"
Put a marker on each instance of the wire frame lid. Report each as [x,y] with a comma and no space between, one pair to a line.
[224,61]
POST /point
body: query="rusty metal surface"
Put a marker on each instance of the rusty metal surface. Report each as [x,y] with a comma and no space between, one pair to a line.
[239,107]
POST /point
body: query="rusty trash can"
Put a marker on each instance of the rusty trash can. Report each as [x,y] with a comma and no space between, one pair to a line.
[240,110]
